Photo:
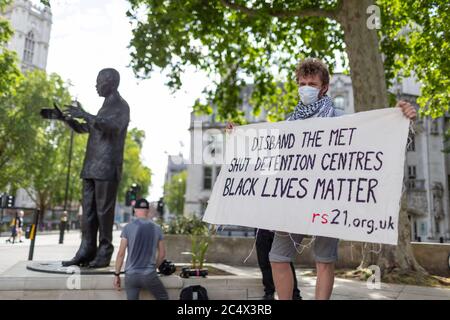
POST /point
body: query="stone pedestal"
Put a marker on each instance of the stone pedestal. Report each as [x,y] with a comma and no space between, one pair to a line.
[48,280]
[56,267]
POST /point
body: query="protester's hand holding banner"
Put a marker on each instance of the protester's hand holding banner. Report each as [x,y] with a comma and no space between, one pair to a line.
[337,177]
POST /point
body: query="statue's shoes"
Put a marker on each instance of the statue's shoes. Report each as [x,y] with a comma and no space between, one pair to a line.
[99,264]
[75,262]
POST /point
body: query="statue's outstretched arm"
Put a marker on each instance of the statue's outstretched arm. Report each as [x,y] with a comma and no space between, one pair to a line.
[57,114]
[78,127]
[113,120]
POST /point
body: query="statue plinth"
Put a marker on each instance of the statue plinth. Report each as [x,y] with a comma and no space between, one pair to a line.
[56,267]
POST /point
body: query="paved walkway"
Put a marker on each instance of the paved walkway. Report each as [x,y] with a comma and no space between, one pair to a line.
[47,248]
[346,289]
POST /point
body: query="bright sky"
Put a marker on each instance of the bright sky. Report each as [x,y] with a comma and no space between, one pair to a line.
[88,35]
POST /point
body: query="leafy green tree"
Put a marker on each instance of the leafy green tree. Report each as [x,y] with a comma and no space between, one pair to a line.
[259,42]
[9,72]
[239,43]
[44,163]
[9,77]
[134,171]
[37,150]
[416,41]
[174,191]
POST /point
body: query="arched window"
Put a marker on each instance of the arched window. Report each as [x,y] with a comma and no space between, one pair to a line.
[339,102]
[29,48]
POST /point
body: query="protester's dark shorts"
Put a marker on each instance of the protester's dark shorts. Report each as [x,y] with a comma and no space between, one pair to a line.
[284,249]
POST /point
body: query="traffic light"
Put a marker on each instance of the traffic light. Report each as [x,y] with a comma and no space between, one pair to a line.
[7,201]
[160,207]
[10,200]
[131,195]
[130,198]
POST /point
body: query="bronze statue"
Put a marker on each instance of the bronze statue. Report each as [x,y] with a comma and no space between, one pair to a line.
[102,168]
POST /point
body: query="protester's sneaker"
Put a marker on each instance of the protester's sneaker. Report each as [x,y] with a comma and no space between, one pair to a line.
[268,296]
[296,296]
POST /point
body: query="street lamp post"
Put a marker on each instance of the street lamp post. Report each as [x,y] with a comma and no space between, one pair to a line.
[66,193]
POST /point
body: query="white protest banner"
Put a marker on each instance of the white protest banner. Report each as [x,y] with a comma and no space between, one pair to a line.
[337,177]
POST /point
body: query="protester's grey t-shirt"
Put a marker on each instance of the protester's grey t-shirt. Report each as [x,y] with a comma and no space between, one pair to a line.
[143,237]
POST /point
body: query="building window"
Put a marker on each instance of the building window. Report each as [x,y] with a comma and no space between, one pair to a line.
[207,178]
[28,52]
[411,142]
[412,172]
[415,230]
[339,102]
[213,145]
[423,228]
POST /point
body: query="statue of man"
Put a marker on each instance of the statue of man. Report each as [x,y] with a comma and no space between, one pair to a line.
[102,169]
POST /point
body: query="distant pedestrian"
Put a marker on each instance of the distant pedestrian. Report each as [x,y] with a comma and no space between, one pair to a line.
[143,239]
[13,228]
[20,225]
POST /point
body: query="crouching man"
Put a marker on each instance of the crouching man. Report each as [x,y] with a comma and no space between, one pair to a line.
[143,239]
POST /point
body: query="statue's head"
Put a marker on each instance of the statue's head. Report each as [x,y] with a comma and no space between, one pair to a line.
[107,82]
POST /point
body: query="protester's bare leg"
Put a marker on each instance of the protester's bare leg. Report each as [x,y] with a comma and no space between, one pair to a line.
[283,279]
[325,280]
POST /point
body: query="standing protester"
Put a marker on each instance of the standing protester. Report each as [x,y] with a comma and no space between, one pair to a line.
[142,238]
[264,239]
[313,79]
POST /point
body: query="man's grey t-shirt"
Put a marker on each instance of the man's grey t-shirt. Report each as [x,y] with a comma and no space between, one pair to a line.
[143,237]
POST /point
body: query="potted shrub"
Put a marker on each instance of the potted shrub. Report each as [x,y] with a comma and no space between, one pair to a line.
[200,239]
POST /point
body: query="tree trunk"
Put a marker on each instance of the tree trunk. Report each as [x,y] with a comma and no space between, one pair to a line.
[366,65]
[370,92]
[42,203]
[401,257]
[398,259]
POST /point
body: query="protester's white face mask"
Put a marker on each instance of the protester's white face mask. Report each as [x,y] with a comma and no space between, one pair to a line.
[308,94]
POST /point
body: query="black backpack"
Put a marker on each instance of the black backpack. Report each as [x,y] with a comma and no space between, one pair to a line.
[194,293]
